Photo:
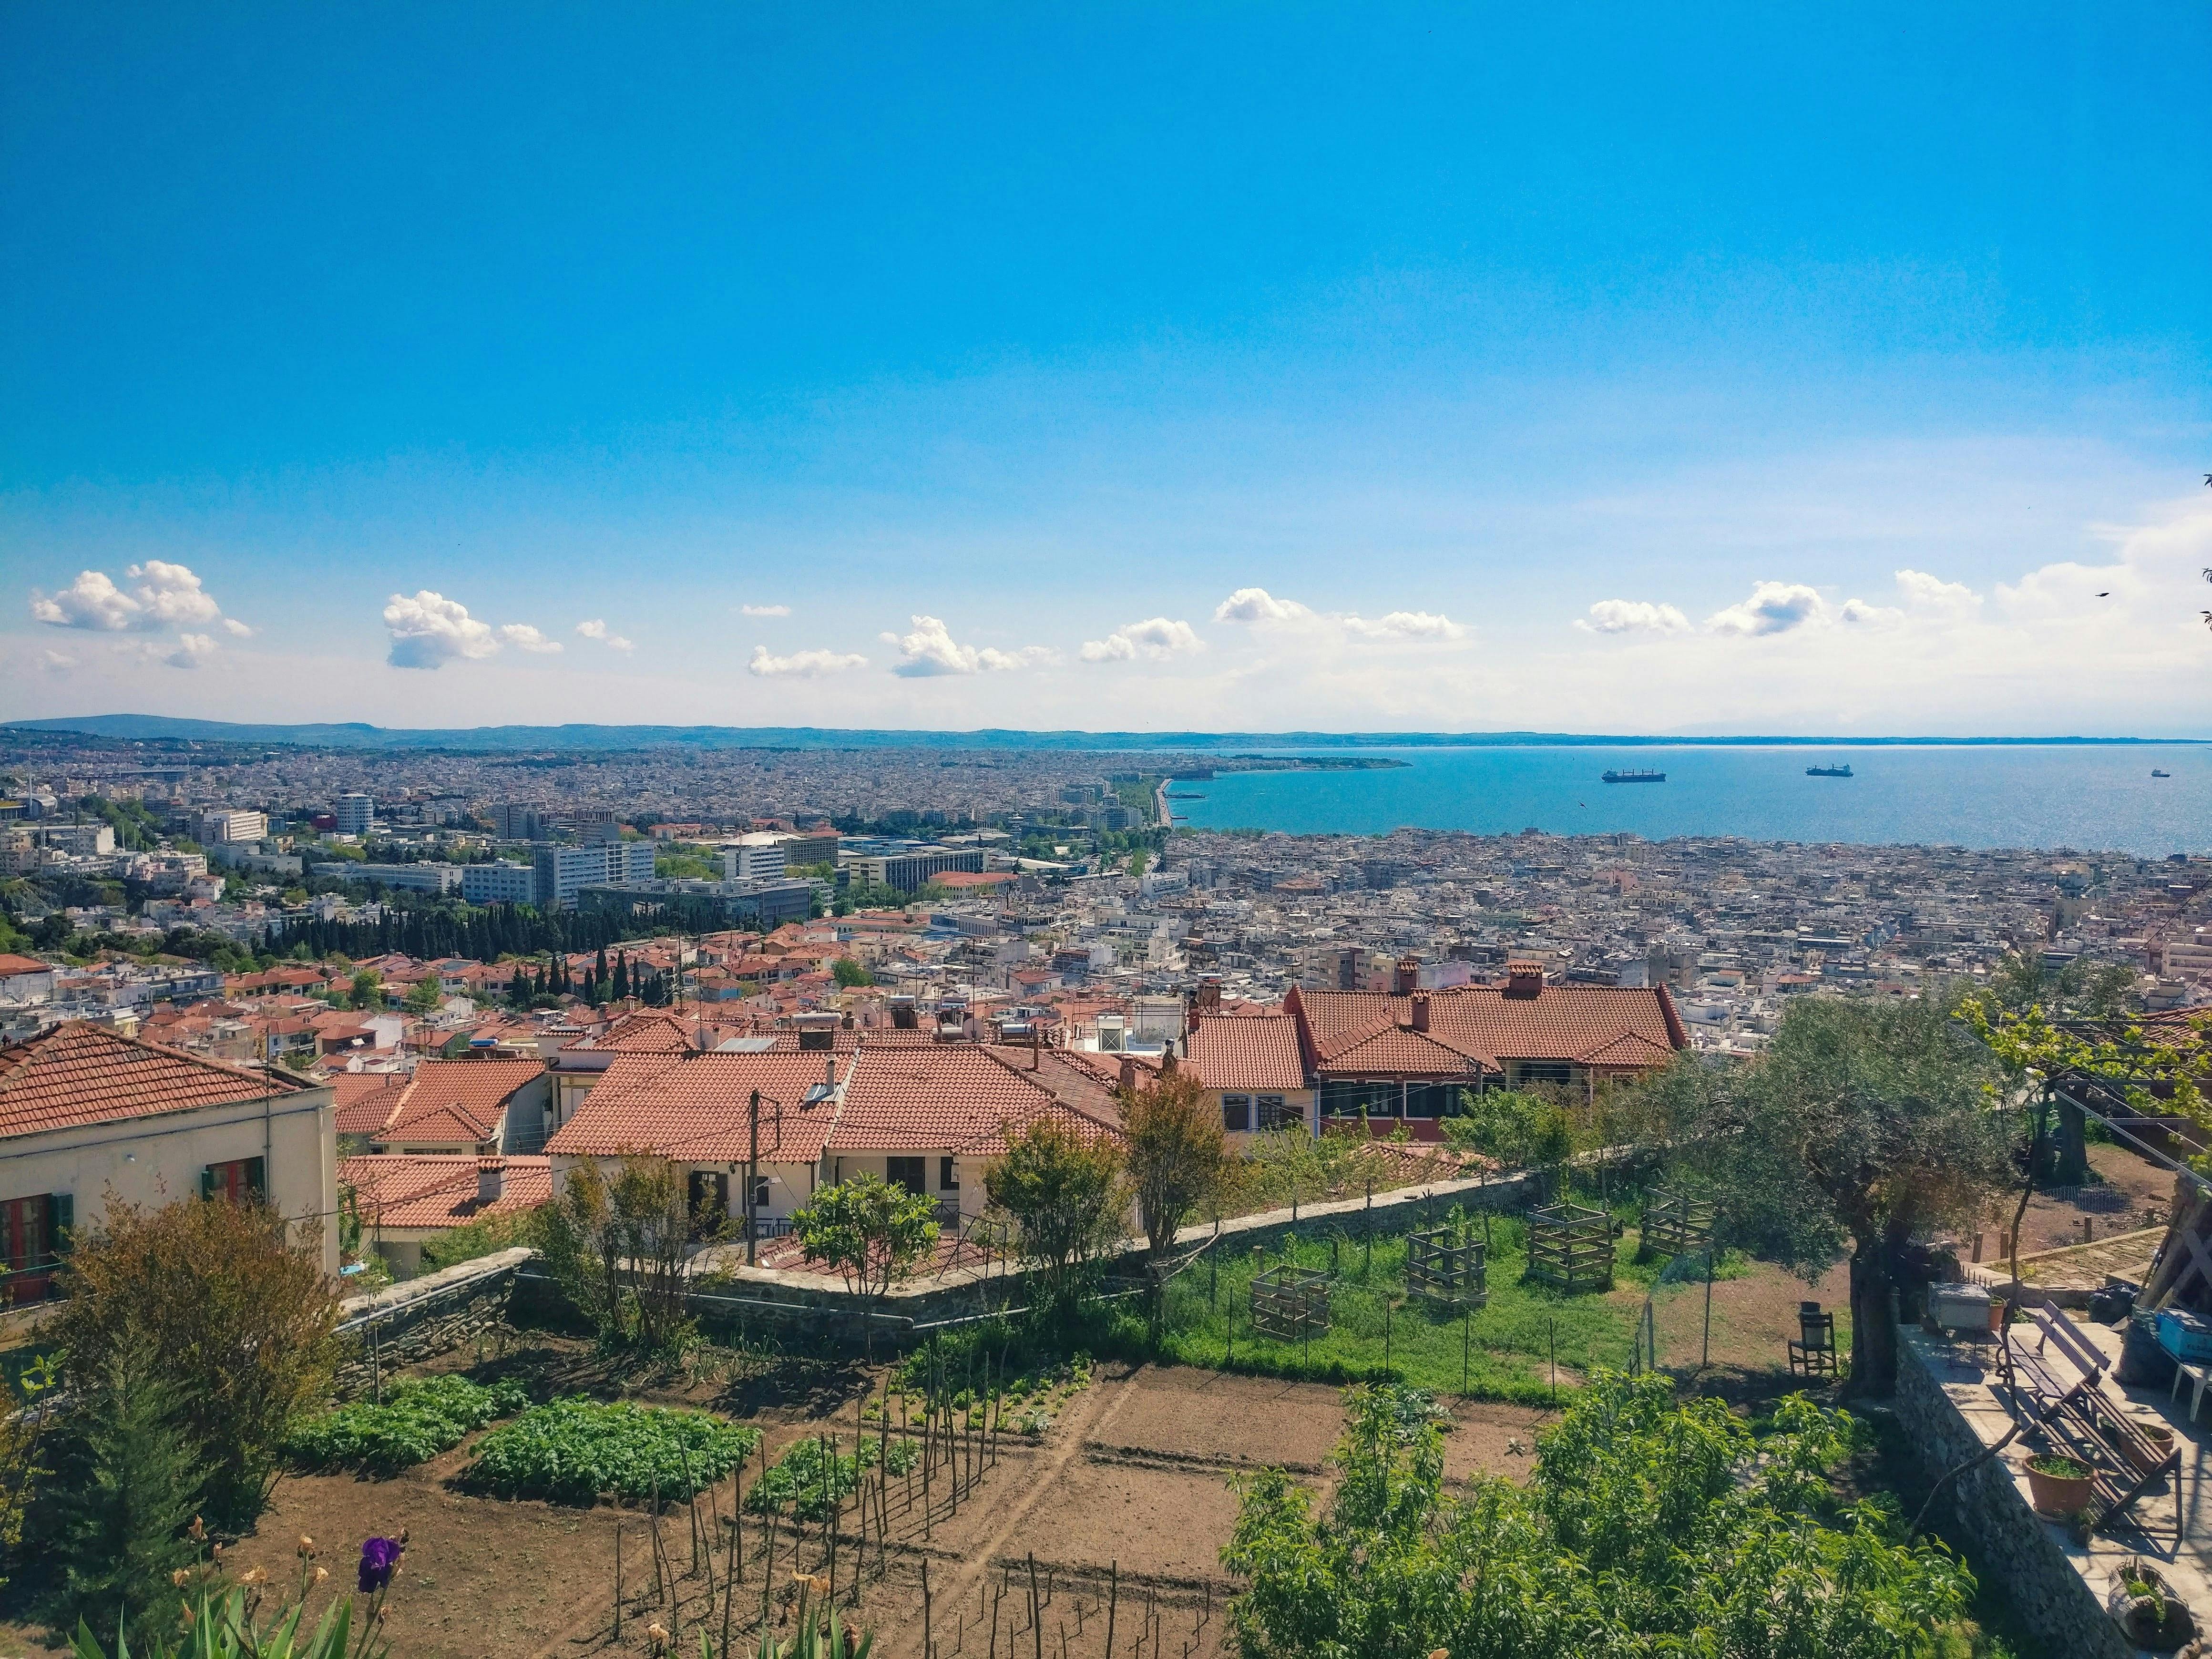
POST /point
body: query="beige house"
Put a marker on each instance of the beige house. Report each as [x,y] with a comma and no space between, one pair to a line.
[86,1112]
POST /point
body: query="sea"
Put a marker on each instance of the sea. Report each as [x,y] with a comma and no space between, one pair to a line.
[2083,796]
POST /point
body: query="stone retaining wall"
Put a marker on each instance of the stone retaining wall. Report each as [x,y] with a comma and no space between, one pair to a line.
[406,1323]
[2027,1555]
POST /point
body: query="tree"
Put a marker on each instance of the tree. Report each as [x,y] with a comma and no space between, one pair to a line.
[849,973]
[1519,1130]
[621,975]
[240,1313]
[618,1247]
[1650,1526]
[1178,1156]
[1062,1190]
[871,1231]
[128,1490]
[423,995]
[368,989]
[1863,1125]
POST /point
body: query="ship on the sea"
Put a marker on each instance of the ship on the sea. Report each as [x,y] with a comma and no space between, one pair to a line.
[1843,771]
[1634,776]
[2156,773]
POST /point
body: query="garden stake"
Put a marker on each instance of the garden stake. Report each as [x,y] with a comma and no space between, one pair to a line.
[618,1533]
[733,1565]
[925,1643]
[995,1594]
[1113,1602]
[1552,1338]
[1466,1336]
[1705,1353]
[1036,1625]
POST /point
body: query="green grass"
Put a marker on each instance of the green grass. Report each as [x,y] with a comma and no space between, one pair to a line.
[1509,1341]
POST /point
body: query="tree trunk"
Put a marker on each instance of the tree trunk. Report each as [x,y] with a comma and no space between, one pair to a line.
[1874,1336]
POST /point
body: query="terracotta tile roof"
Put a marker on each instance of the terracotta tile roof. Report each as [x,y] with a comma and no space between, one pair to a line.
[10,966]
[1078,1087]
[646,1031]
[1481,1023]
[950,1098]
[365,1100]
[439,1189]
[697,1107]
[1246,1051]
[80,1073]
[459,1100]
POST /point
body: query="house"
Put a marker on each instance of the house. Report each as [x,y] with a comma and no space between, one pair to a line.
[363,1102]
[477,1106]
[86,1112]
[1254,1069]
[577,1064]
[407,1200]
[26,979]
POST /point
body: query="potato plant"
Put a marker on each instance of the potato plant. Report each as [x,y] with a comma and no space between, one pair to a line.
[419,1418]
[576,1450]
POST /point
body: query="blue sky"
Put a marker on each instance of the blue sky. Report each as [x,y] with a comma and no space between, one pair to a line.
[1719,369]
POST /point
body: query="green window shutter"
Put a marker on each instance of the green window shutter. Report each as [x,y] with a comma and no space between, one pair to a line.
[61,1221]
[207,1181]
[255,1182]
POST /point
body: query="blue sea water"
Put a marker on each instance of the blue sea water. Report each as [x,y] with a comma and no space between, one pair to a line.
[2085,796]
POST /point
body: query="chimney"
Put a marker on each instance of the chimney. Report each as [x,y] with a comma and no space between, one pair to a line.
[1168,1061]
[830,1073]
[1420,1015]
[1127,1080]
[1209,996]
[1524,979]
[1037,1039]
[1407,977]
[491,1179]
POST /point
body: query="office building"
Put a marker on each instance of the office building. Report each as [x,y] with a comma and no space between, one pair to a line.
[755,858]
[225,827]
[354,814]
[563,872]
[912,866]
[416,877]
[499,883]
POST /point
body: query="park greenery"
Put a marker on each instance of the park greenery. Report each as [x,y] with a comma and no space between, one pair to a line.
[1652,1526]
[577,1450]
[417,1418]
[1178,1158]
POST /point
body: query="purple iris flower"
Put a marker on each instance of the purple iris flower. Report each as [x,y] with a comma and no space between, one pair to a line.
[379,1558]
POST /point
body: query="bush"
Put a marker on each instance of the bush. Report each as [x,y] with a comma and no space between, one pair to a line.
[419,1418]
[573,1451]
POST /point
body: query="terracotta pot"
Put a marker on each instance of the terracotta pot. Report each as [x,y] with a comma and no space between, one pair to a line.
[2056,1497]
[2161,1446]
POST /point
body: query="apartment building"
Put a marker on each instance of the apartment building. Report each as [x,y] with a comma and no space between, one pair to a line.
[229,826]
[354,813]
[499,883]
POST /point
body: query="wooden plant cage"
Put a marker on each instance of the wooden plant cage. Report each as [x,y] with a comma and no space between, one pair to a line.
[1445,1266]
[1675,1224]
[1570,1246]
[1291,1303]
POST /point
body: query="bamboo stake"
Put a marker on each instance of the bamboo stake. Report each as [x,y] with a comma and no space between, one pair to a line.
[1113,1603]
[618,1533]
[1036,1622]
[928,1644]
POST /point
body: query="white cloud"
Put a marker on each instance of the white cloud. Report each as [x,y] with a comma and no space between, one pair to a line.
[597,630]
[1157,637]
[91,601]
[764,610]
[55,662]
[1772,608]
[1859,614]
[523,637]
[171,593]
[1633,617]
[1921,590]
[238,628]
[1257,604]
[802,665]
[193,650]
[931,650]
[430,630]
[1405,625]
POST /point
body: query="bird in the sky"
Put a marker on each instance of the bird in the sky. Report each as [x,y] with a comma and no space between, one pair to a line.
[2106,594]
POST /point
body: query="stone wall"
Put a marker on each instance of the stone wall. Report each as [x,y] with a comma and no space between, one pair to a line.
[2028,1556]
[421,1318]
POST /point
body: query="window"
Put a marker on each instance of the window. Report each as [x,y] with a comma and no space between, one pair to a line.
[33,1234]
[1431,1100]
[760,1194]
[1236,1111]
[1349,1099]
[239,1181]
[904,1172]
[708,1191]
[948,1177]
[1269,1112]
[1557,1072]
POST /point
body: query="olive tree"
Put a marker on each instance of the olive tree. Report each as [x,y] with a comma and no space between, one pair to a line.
[1063,1192]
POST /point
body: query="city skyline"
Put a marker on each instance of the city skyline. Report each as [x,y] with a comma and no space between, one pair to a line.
[1407,371]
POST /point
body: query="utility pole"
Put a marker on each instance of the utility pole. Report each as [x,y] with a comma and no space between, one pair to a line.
[752,1182]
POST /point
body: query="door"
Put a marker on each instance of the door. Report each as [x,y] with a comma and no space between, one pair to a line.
[709,1195]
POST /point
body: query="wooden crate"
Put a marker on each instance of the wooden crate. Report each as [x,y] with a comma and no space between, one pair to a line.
[1444,1265]
[1675,1224]
[1291,1303]
[1570,1246]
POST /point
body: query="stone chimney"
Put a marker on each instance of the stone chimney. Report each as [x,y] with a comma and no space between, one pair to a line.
[1418,1020]
[491,1179]
[1126,1082]
[1209,996]
[1524,979]
[1408,976]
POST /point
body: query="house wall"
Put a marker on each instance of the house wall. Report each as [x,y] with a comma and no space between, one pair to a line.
[154,1161]
[969,1172]
[1299,1102]
[789,1185]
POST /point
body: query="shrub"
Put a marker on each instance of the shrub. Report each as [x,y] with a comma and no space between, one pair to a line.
[419,1418]
[239,1311]
[574,1450]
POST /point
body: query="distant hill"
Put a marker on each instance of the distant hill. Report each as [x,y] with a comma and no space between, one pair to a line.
[161,728]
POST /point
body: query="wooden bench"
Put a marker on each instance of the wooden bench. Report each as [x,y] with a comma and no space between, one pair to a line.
[2053,1367]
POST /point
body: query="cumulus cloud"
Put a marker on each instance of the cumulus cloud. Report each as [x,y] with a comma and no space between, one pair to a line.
[523,637]
[931,650]
[1921,590]
[430,630]
[1858,613]
[1257,604]
[1405,625]
[802,665]
[1772,608]
[1157,637]
[597,630]
[193,650]
[237,628]
[1633,617]
[166,596]
[764,610]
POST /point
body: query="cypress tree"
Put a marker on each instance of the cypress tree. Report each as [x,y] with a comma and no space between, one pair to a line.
[621,975]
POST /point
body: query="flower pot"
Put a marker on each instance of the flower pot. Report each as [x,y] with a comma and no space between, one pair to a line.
[2160,1438]
[2055,1497]
[2154,1620]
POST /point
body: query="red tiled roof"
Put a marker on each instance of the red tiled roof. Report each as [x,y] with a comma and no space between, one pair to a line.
[79,1073]
[645,1031]
[697,1108]
[439,1189]
[365,1099]
[10,966]
[953,1097]
[1483,1024]
[1246,1051]
[459,1100]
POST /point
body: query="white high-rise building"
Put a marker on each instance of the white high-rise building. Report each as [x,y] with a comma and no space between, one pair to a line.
[354,814]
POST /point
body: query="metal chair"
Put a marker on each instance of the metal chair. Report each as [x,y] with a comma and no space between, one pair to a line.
[1812,1350]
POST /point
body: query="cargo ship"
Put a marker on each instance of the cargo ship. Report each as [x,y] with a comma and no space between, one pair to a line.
[1843,771]
[1635,777]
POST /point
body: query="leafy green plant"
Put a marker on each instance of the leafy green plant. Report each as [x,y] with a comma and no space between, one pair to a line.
[573,1450]
[2060,1467]
[418,1419]
[813,1479]
[225,1626]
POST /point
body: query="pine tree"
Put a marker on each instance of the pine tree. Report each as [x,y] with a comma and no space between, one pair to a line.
[130,1481]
